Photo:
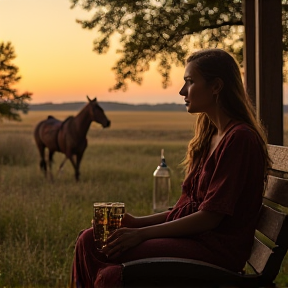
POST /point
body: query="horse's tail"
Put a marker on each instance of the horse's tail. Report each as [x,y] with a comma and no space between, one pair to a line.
[41,147]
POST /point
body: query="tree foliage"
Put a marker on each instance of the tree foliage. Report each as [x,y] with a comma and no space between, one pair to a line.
[159,30]
[11,102]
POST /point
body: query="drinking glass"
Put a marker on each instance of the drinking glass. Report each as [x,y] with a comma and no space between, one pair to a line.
[107,218]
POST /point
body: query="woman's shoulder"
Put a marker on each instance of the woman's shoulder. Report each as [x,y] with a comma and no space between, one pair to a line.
[241,139]
[241,128]
[242,132]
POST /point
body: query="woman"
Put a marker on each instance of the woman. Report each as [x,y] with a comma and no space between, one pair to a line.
[226,163]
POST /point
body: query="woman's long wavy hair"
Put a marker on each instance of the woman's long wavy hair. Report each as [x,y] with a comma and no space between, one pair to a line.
[235,102]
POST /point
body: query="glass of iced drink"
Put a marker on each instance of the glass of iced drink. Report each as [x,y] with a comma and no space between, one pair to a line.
[107,218]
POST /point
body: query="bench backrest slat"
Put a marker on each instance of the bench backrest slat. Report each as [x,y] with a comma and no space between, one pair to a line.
[275,190]
[279,157]
[268,253]
[270,222]
[260,255]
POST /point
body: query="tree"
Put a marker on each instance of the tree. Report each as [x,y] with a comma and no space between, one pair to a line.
[10,100]
[161,30]
[155,30]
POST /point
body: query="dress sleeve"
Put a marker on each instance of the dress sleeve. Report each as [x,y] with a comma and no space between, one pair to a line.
[234,163]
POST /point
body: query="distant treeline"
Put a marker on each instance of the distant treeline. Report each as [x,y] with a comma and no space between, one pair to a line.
[109,106]
[114,106]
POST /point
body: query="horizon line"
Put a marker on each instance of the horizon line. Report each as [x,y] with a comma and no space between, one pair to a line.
[115,102]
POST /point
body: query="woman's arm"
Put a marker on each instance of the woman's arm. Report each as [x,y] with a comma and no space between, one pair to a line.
[131,221]
[195,223]
[126,238]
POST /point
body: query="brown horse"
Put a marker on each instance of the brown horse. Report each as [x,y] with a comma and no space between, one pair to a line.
[68,136]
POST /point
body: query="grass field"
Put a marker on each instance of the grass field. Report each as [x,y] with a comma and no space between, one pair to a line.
[39,220]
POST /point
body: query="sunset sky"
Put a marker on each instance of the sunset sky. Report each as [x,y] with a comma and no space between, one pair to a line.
[56,61]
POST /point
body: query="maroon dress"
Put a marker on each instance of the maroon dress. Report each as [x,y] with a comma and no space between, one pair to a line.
[230,182]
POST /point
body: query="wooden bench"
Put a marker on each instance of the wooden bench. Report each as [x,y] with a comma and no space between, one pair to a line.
[269,250]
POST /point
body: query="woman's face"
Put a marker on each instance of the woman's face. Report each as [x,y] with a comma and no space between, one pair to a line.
[197,93]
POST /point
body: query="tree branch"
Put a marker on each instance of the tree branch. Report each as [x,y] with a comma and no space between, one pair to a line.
[201,28]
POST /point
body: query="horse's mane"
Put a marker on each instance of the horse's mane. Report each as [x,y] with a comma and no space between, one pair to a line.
[66,120]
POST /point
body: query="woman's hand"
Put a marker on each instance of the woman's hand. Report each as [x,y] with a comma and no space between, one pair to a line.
[128,220]
[121,240]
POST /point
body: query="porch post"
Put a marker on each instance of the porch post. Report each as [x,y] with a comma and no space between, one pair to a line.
[249,48]
[268,59]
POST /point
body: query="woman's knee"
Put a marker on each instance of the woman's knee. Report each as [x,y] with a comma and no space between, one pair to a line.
[85,236]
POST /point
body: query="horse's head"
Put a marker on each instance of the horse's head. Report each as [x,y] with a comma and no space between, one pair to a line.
[97,113]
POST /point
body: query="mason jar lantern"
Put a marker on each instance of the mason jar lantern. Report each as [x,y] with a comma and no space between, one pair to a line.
[162,186]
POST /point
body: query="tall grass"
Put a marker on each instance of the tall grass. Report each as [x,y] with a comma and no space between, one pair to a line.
[40,219]
[16,150]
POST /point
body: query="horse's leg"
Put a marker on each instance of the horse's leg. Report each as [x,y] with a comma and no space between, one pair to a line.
[51,153]
[43,166]
[76,165]
[78,161]
[70,157]
[61,165]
